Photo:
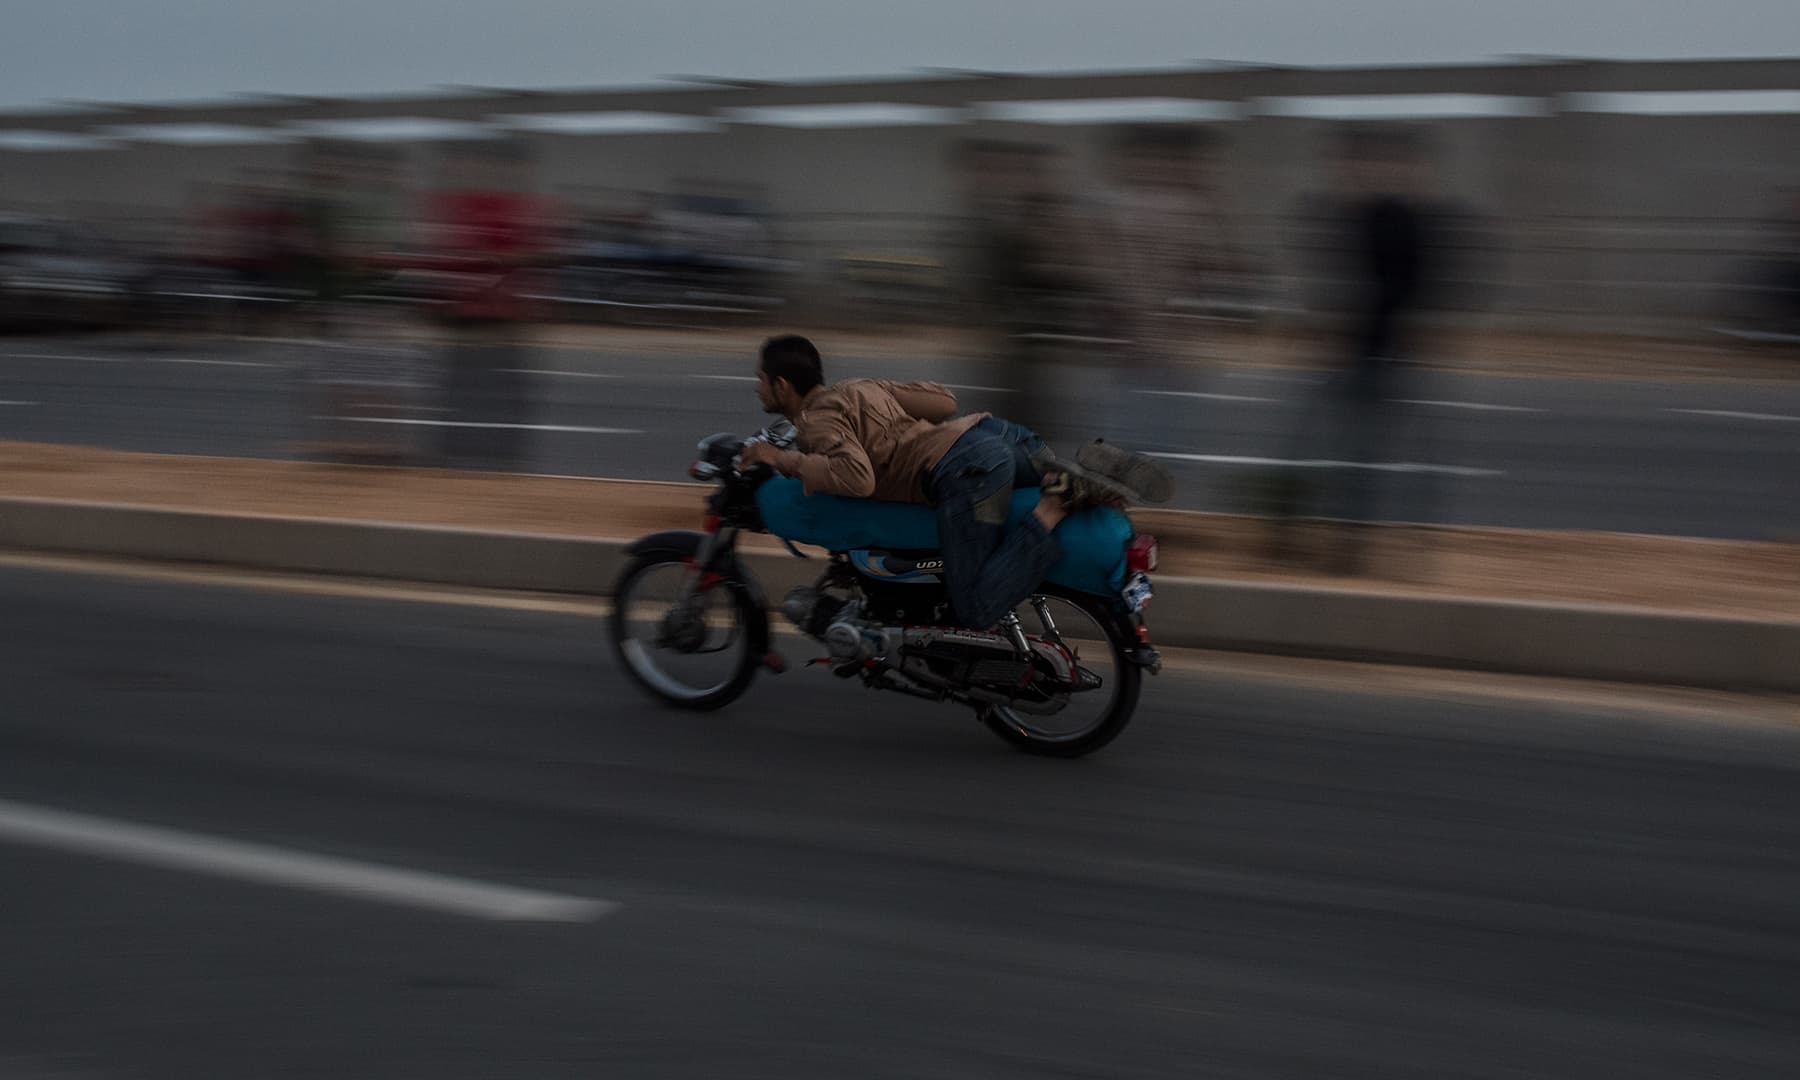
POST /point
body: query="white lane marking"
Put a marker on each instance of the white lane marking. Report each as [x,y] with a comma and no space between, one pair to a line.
[1480,406]
[143,360]
[413,422]
[1206,397]
[561,374]
[1268,377]
[1756,335]
[1477,405]
[153,846]
[195,360]
[18,403]
[981,389]
[1735,415]
[725,378]
[1377,466]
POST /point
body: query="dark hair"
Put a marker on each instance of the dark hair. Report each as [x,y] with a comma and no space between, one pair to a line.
[795,359]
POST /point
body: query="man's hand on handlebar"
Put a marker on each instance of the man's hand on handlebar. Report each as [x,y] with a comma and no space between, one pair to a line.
[758,453]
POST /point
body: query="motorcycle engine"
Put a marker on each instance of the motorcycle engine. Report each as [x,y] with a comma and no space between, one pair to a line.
[974,662]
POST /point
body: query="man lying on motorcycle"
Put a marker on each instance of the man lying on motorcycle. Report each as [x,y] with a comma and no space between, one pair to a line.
[868,438]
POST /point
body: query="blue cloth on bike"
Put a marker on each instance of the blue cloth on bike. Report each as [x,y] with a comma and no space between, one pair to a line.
[1092,541]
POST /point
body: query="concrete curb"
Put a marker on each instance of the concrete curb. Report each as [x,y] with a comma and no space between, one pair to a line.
[1599,642]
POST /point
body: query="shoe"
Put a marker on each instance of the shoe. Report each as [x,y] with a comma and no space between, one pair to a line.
[1146,479]
[1079,492]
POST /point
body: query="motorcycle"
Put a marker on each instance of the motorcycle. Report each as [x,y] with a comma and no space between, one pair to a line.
[1059,676]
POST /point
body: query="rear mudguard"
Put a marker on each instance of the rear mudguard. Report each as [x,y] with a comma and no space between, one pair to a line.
[685,543]
[1129,628]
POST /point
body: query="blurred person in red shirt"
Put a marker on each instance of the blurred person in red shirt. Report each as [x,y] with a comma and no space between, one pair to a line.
[265,242]
[492,235]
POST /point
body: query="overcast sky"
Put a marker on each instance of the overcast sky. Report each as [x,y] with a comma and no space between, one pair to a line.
[137,50]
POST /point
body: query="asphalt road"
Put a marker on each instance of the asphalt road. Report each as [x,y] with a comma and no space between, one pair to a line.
[1684,458]
[1258,879]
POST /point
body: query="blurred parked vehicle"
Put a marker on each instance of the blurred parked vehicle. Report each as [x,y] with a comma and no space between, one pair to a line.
[56,274]
[882,287]
[693,259]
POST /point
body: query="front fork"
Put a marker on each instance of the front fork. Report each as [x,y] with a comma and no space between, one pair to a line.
[716,538]
[697,581]
[716,543]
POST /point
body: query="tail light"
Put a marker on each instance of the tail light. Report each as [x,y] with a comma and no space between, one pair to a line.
[1141,553]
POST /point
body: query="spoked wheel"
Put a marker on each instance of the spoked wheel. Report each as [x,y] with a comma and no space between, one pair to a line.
[1096,702]
[691,648]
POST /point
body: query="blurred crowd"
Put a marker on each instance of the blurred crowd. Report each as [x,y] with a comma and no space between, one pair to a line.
[1095,283]
[404,298]
[1137,248]
[263,250]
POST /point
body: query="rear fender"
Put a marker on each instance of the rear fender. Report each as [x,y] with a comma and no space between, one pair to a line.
[1132,631]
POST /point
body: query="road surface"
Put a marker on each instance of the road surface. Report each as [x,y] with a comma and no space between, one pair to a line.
[419,839]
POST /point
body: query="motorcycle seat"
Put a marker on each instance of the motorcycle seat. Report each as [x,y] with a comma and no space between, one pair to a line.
[1093,541]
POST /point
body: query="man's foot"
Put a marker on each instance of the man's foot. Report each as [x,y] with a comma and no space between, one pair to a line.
[1142,476]
[1078,492]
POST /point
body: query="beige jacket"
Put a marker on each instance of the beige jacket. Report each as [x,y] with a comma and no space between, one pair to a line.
[866,438]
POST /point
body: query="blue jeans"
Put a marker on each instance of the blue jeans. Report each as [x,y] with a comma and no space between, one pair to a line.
[989,566]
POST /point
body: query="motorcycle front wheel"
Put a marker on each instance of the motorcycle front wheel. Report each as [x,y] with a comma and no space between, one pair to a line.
[686,645]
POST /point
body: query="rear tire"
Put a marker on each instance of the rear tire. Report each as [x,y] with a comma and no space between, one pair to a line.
[1128,684]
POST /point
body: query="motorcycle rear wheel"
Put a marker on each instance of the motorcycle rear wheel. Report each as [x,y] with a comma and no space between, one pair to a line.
[1100,630]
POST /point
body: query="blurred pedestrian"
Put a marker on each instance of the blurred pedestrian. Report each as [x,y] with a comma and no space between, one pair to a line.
[491,232]
[266,245]
[1028,279]
[349,220]
[1388,254]
[1764,303]
[1165,245]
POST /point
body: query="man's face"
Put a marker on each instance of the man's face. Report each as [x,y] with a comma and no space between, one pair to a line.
[767,391]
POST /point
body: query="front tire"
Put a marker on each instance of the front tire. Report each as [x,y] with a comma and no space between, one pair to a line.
[666,661]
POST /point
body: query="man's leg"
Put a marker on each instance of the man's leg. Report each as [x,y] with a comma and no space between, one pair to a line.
[1030,456]
[988,567]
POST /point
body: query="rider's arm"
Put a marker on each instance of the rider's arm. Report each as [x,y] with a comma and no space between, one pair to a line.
[836,463]
[924,400]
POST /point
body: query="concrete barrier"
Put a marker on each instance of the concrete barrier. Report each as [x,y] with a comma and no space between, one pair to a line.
[1585,641]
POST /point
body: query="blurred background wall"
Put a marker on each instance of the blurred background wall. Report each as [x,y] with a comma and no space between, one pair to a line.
[1608,196]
